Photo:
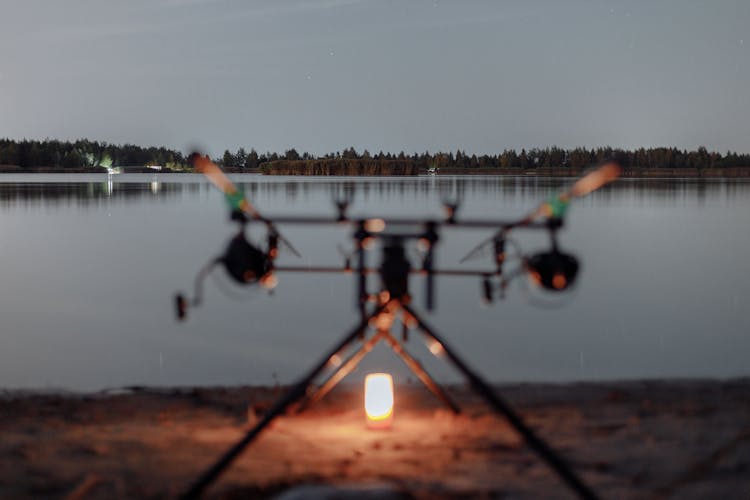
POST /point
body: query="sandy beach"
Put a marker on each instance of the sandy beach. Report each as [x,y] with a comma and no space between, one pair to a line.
[645,439]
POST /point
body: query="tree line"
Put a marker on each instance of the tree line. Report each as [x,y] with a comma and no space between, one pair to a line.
[83,153]
[546,158]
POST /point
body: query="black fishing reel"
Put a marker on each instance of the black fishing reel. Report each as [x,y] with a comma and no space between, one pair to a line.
[245,263]
[552,270]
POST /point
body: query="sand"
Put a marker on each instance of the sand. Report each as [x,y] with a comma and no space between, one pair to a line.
[649,439]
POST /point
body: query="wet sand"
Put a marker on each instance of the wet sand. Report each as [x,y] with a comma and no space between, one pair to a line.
[647,439]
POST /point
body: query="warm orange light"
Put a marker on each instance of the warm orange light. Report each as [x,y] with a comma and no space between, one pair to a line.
[379,400]
[335,360]
[374,225]
[368,242]
[269,281]
[559,281]
[535,277]
[436,348]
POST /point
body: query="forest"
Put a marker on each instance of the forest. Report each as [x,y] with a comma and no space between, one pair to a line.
[83,154]
[87,155]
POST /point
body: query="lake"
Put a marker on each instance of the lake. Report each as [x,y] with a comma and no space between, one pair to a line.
[89,265]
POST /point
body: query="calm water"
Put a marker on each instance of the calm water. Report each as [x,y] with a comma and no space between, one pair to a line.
[88,269]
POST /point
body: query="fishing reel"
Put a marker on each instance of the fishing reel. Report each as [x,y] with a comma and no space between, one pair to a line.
[245,263]
[553,270]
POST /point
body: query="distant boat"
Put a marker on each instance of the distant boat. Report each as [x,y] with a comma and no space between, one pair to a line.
[432,171]
[115,170]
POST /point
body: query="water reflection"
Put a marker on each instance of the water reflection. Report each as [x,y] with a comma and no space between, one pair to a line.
[88,269]
[19,190]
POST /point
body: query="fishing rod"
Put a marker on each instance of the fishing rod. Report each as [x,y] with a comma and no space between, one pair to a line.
[247,263]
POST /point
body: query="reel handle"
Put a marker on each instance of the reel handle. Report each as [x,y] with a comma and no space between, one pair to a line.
[181,303]
[181,306]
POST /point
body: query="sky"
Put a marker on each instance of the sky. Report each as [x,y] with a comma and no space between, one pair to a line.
[324,75]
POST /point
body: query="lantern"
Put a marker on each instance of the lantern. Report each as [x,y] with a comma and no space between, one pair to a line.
[379,400]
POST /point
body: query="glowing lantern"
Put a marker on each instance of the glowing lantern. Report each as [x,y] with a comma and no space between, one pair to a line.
[379,400]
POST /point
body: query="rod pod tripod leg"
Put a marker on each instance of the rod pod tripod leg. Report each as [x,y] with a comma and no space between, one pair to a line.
[294,394]
[352,361]
[416,367]
[299,390]
[500,406]
[340,373]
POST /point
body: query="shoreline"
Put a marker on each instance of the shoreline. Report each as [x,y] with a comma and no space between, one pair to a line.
[641,173]
[683,438]
[11,393]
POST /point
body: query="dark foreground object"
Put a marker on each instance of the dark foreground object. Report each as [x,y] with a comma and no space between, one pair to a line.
[665,439]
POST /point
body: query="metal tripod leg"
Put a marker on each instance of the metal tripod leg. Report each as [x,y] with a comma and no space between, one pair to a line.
[341,372]
[500,406]
[416,367]
[294,394]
